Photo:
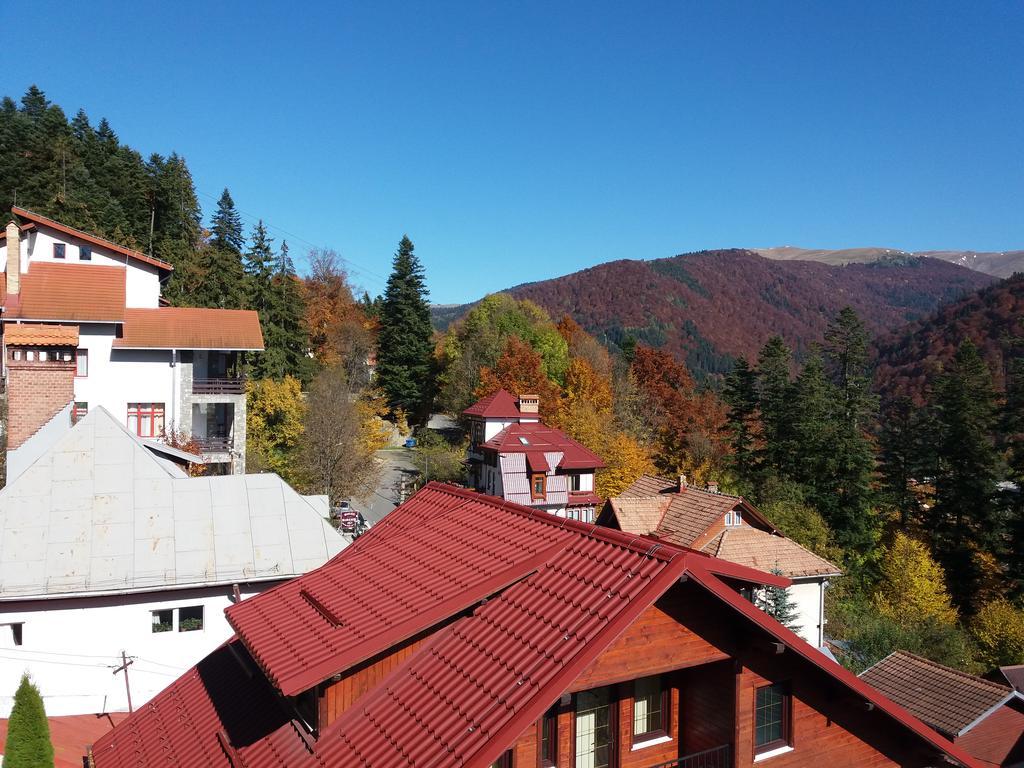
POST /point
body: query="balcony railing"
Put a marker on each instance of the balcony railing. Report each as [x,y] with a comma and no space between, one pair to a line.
[718,757]
[215,444]
[228,386]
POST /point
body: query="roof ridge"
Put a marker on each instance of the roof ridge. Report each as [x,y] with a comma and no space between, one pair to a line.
[132,252]
[632,541]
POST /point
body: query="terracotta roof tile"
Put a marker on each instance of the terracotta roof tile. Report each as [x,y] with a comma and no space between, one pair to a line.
[24,213]
[946,699]
[68,292]
[500,405]
[639,514]
[71,734]
[998,740]
[651,485]
[764,551]
[41,335]
[191,328]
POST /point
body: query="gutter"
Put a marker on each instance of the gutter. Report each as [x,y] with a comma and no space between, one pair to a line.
[6,599]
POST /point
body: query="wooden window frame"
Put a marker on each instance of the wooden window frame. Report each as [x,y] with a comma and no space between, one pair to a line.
[543,486]
[614,701]
[60,251]
[83,354]
[787,720]
[548,723]
[665,704]
[152,410]
[505,761]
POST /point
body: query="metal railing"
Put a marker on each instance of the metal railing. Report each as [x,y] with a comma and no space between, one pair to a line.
[717,757]
[226,386]
[215,444]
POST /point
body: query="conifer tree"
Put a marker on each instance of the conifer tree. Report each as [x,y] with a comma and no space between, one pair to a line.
[741,396]
[285,331]
[221,274]
[404,347]
[259,271]
[776,602]
[776,400]
[903,453]
[965,515]
[28,732]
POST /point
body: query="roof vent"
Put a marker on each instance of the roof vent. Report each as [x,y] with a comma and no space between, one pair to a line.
[323,610]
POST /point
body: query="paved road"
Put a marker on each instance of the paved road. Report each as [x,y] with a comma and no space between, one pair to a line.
[397,464]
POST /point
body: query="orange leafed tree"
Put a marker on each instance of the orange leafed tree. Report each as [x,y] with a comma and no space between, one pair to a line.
[339,330]
[520,371]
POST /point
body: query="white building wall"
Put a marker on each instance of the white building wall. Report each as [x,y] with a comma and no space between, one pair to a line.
[70,646]
[142,284]
[807,599]
[491,428]
[121,376]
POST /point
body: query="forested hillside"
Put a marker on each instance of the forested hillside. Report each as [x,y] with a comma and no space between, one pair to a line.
[711,307]
[992,318]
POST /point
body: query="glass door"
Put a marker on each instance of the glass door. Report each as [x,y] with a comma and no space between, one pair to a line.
[595,734]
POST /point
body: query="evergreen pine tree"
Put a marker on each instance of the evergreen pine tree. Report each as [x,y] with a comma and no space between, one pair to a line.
[776,602]
[404,346]
[221,274]
[284,330]
[259,271]
[28,732]
[904,450]
[965,517]
[852,455]
[741,396]
[775,395]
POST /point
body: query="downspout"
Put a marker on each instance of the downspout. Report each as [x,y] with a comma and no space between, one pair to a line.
[174,390]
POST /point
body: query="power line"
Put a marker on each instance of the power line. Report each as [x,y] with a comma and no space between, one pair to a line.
[253,217]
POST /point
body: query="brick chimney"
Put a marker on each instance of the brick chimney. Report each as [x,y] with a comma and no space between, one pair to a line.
[712,487]
[13,259]
[40,382]
[682,482]
[529,405]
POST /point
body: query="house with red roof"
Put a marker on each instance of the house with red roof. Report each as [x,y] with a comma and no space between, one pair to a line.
[512,454]
[83,325]
[730,528]
[984,718]
[465,630]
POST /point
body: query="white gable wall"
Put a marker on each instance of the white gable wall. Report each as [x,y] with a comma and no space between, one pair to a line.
[142,286]
[69,646]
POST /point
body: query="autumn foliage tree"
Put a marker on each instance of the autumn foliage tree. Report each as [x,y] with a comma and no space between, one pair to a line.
[520,370]
[913,586]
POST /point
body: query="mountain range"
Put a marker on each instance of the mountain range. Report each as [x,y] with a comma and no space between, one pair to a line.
[995,263]
[710,307]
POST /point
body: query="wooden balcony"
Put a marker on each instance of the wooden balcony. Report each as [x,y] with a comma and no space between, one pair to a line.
[226,386]
[215,443]
[718,757]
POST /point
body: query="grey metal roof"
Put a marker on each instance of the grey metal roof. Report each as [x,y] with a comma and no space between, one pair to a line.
[98,512]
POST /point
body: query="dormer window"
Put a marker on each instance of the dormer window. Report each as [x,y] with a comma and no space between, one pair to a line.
[538,486]
[733,519]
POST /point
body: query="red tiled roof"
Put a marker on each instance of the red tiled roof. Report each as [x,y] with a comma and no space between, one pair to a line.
[41,335]
[540,438]
[68,292]
[190,328]
[475,685]
[71,734]
[23,213]
[998,740]
[500,405]
[479,681]
[947,699]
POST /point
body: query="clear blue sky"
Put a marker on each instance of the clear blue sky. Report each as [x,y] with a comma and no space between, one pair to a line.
[517,141]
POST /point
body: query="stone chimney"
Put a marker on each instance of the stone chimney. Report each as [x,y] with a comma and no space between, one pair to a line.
[40,383]
[13,259]
[682,482]
[529,404]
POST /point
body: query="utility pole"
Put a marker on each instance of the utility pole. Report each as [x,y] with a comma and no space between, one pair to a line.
[125,663]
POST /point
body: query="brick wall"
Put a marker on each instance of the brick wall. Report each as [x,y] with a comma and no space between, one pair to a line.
[35,393]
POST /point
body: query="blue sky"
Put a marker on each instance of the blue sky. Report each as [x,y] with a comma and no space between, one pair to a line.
[518,141]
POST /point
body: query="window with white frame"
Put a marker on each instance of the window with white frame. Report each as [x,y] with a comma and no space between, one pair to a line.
[733,518]
[81,362]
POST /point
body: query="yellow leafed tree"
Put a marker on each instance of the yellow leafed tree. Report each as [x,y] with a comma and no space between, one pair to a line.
[274,416]
[998,629]
[913,586]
